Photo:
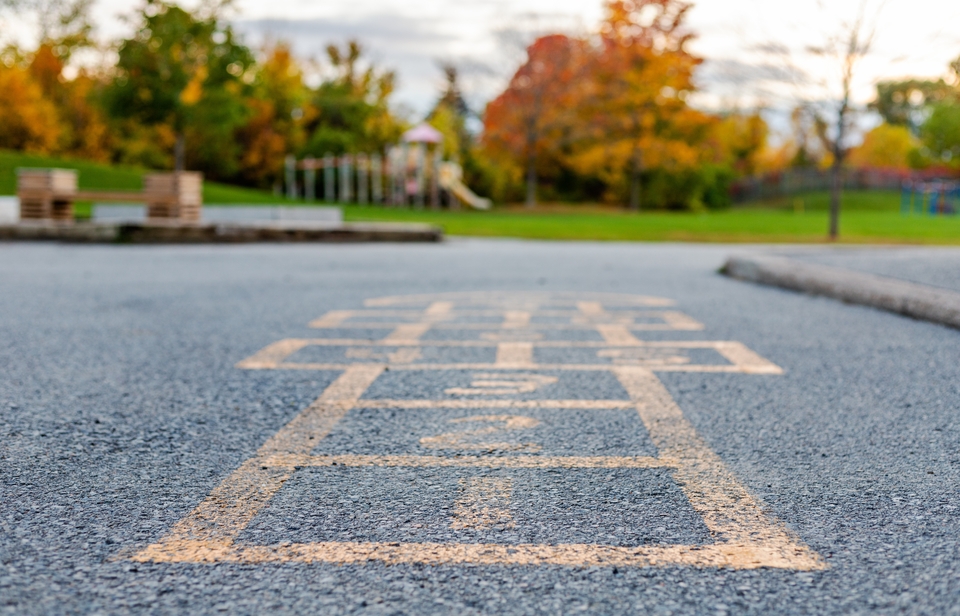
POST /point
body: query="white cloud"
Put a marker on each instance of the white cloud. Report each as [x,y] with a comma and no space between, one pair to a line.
[915,37]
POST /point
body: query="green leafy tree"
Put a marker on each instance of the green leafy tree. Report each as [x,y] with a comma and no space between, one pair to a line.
[941,133]
[907,103]
[276,125]
[350,111]
[186,71]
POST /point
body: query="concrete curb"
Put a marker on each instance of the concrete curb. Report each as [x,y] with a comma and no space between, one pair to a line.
[906,298]
[207,233]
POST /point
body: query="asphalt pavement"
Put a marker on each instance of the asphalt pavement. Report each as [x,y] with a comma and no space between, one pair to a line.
[936,267]
[472,427]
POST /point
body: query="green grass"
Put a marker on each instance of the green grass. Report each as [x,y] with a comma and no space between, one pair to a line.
[753,225]
[867,216]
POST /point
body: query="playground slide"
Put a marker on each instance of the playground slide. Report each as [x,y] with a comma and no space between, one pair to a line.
[450,179]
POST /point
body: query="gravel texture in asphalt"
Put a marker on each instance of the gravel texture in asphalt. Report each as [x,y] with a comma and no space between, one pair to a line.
[122,408]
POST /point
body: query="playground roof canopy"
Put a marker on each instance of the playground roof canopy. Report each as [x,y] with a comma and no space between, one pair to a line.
[422,133]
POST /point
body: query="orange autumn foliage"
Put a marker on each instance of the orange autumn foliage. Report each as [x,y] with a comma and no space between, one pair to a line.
[614,107]
[528,121]
[635,115]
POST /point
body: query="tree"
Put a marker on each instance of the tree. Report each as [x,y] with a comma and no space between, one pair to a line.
[634,110]
[804,146]
[941,133]
[186,71]
[846,48]
[29,118]
[739,140]
[275,126]
[350,109]
[887,145]
[907,103]
[63,27]
[524,121]
[450,114]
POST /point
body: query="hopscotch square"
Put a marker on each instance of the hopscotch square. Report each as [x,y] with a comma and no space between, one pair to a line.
[621,348]
[494,334]
[346,332]
[393,354]
[489,384]
[416,505]
[476,430]
[653,356]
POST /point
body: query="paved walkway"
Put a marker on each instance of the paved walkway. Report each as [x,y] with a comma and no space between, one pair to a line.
[476,427]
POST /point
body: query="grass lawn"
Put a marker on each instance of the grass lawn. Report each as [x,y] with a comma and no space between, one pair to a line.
[867,216]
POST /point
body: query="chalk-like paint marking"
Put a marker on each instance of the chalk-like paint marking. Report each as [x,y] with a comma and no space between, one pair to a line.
[495,404]
[617,335]
[728,510]
[404,355]
[715,368]
[502,384]
[334,318]
[236,501]
[681,322]
[510,335]
[745,359]
[515,354]
[574,325]
[484,502]
[515,319]
[271,355]
[723,555]
[292,461]
[468,439]
[727,345]
[407,333]
[438,310]
[510,299]
[591,309]
[651,357]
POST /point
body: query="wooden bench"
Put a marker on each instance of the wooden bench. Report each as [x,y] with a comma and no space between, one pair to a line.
[49,194]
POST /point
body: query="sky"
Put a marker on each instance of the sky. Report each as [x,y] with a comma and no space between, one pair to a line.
[755,50]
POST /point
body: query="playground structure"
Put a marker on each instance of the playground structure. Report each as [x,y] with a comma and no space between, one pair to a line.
[48,195]
[410,174]
[930,197]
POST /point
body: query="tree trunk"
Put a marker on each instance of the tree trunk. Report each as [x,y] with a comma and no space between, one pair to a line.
[635,186]
[178,153]
[531,182]
[836,181]
[836,189]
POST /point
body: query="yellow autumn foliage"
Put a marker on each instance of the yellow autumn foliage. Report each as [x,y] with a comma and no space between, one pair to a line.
[28,120]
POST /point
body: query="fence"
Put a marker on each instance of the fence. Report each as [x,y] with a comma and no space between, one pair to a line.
[793,181]
[407,175]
